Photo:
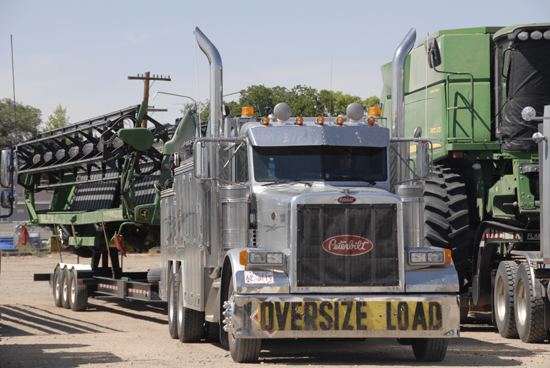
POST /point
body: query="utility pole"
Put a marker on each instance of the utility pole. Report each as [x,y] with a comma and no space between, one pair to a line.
[146,78]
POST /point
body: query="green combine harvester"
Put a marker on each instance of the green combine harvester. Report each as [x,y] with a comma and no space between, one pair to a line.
[467,89]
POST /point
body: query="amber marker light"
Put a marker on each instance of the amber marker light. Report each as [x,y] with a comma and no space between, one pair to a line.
[299,120]
[458,154]
[243,257]
[247,111]
[320,120]
[375,110]
[265,121]
[448,258]
[340,120]
[371,121]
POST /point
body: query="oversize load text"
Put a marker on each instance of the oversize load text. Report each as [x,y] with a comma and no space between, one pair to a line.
[349,315]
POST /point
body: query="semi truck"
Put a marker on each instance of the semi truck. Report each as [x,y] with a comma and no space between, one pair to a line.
[269,227]
[270,233]
[468,87]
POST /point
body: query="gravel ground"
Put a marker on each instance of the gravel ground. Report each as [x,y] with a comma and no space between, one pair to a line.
[117,333]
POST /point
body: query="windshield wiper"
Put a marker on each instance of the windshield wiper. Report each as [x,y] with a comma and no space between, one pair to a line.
[286,181]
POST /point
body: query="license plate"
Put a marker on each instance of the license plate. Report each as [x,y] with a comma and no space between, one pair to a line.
[349,315]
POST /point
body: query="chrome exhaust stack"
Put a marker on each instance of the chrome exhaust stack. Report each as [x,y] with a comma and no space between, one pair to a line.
[216,82]
[411,190]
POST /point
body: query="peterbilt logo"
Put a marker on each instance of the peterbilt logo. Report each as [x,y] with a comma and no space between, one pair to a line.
[347,245]
[346,199]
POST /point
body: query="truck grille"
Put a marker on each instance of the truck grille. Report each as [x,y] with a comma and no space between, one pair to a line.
[334,248]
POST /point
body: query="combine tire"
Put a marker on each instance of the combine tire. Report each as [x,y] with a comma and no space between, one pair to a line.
[430,350]
[529,309]
[190,322]
[503,299]
[66,289]
[79,294]
[446,221]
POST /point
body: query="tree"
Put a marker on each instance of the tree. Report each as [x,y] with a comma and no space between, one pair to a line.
[13,131]
[58,120]
[303,100]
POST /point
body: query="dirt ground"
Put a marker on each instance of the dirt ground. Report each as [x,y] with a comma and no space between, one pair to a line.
[116,333]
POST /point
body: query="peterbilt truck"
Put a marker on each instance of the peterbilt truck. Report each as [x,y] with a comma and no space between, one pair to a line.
[290,227]
[468,87]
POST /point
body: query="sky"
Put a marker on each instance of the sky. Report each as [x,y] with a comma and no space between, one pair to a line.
[79,54]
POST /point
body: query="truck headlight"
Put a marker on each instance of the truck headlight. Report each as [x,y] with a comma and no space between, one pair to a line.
[261,257]
[429,257]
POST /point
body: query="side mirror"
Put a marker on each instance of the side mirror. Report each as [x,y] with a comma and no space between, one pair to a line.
[432,52]
[8,168]
[7,200]
[201,166]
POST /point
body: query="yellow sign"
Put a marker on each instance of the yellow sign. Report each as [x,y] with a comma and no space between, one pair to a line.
[349,315]
[144,213]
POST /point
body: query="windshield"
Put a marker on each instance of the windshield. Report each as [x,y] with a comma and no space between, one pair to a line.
[320,163]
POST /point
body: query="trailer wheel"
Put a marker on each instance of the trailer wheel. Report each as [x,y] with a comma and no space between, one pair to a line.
[57,287]
[446,221]
[65,295]
[529,309]
[172,305]
[242,350]
[79,294]
[190,321]
[430,350]
[503,299]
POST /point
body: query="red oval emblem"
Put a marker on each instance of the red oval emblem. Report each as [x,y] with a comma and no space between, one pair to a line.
[346,199]
[347,245]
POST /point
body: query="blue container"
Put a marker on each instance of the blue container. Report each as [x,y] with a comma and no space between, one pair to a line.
[6,243]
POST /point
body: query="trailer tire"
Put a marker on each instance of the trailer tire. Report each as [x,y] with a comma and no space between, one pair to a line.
[446,219]
[430,350]
[529,311]
[79,294]
[57,287]
[242,350]
[503,299]
[190,322]
[172,305]
[66,290]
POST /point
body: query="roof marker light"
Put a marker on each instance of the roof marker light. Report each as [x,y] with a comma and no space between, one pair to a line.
[523,36]
[340,120]
[265,121]
[320,120]
[536,35]
[299,120]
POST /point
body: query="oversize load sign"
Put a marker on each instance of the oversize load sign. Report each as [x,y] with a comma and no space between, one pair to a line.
[354,315]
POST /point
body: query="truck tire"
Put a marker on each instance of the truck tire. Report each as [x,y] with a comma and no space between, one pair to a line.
[66,289]
[503,299]
[190,322]
[57,287]
[446,221]
[78,294]
[172,305]
[430,350]
[529,310]
[242,350]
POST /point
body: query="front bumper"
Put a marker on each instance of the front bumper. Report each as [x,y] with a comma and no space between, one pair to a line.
[342,316]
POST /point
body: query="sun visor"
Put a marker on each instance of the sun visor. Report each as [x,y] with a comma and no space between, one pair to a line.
[319,136]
